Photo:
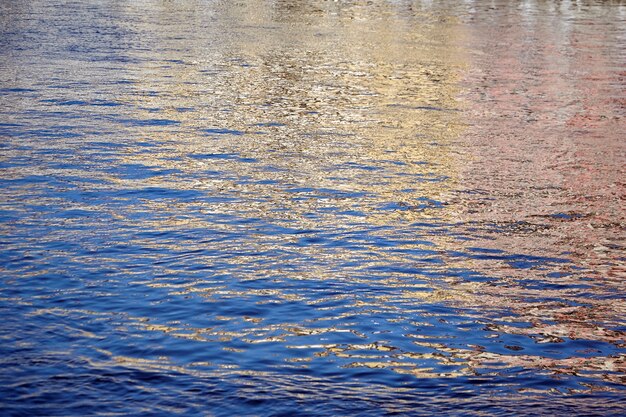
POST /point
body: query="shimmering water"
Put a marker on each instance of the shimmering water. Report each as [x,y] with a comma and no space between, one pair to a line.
[312,207]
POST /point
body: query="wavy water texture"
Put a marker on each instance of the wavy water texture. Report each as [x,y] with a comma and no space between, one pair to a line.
[312,208]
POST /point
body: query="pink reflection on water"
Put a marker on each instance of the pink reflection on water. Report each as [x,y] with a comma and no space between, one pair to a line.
[543,163]
[545,107]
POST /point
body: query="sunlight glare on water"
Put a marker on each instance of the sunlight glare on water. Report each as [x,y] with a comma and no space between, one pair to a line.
[312,207]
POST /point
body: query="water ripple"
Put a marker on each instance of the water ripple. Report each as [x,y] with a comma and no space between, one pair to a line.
[321,208]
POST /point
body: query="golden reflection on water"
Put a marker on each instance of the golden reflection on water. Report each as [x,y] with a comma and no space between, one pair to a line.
[319,105]
[312,110]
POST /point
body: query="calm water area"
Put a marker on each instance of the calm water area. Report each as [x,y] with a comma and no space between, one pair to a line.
[312,208]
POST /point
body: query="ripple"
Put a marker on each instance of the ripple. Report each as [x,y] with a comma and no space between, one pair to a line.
[328,208]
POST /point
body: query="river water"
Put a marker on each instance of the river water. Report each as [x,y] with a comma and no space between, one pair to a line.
[312,207]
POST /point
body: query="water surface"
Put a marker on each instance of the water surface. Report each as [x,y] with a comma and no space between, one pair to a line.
[312,208]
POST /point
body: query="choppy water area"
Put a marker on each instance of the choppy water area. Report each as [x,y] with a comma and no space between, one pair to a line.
[312,208]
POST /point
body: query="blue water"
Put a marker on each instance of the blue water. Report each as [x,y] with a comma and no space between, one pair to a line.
[312,208]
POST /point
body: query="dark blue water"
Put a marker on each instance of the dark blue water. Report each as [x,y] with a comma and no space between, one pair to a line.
[312,208]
